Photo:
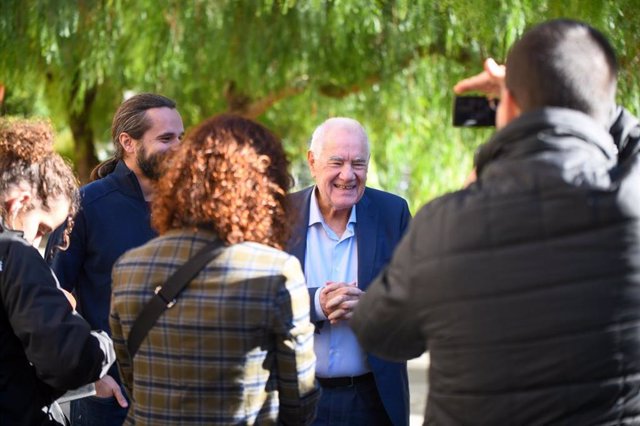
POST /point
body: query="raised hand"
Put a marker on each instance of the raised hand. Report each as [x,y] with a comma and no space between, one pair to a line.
[489,82]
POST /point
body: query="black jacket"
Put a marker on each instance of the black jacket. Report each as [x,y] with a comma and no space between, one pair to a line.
[525,286]
[45,347]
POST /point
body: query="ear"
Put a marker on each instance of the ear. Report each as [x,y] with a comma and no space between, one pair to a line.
[311,160]
[18,199]
[127,142]
[508,109]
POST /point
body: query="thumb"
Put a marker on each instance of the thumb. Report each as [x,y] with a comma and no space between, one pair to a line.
[493,68]
[117,393]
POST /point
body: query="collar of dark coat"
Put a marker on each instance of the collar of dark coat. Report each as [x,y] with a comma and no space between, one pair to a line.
[126,180]
[548,129]
[626,134]
[7,232]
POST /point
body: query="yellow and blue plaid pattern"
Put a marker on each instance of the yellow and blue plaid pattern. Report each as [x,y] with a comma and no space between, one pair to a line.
[237,348]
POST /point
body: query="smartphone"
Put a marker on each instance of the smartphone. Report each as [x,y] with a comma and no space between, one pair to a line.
[474,111]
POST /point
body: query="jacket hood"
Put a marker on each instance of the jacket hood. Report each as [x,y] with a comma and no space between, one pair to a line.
[549,129]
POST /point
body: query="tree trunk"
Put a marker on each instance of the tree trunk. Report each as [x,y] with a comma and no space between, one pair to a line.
[242,104]
[83,135]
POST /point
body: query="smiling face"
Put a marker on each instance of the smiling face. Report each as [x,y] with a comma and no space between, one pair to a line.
[339,167]
[165,134]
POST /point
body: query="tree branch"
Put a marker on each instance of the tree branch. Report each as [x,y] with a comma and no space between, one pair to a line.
[339,92]
[239,103]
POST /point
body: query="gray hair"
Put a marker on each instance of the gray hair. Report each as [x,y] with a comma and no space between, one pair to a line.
[317,139]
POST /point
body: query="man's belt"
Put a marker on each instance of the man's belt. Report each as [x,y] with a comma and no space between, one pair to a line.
[344,382]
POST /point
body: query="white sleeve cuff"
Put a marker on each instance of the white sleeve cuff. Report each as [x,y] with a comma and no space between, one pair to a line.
[107,348]
[316,301]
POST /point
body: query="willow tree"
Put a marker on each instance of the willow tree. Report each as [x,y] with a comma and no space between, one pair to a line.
[289,63]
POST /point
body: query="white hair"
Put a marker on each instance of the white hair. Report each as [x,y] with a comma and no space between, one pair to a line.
[317,139]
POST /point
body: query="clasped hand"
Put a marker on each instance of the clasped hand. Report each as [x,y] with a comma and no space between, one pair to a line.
[338,300]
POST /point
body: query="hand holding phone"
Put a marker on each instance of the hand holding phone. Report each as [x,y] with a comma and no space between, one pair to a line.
[489,82]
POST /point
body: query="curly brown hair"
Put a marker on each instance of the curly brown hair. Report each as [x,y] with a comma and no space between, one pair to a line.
[27,157]
[230,175]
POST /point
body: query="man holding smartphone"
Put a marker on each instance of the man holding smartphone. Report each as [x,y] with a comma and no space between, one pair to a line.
[525,286]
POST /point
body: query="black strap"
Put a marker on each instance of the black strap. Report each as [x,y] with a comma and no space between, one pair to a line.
[165,296]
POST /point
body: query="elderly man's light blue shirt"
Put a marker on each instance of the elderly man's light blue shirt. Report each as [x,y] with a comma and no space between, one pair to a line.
[333,258]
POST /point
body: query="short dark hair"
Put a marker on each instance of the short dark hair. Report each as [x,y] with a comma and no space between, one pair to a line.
[131,118]
[563,63]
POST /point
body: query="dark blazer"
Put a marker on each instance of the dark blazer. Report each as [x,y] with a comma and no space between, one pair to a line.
[382,219]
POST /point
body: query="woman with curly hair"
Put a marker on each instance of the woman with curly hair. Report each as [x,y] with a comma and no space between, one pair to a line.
[237,347]
[45,347]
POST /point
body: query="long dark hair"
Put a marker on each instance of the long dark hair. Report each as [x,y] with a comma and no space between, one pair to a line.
[130,118]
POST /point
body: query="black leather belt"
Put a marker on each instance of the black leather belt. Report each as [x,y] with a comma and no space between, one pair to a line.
[344,382]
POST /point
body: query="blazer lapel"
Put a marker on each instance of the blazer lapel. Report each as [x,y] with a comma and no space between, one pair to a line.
[298,242]
[367,239]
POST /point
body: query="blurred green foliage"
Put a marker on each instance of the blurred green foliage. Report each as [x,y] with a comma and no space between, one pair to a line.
[388,63]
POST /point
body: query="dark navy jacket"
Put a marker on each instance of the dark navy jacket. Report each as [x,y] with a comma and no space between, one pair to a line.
[382,221]
[113,218]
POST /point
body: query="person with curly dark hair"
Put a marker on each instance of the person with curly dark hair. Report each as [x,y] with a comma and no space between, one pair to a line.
[46,348]
[237,347]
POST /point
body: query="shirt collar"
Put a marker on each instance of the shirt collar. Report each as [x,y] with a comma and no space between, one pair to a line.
[314,211]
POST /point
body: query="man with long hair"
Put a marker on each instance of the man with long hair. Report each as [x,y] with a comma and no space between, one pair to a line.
[114,217]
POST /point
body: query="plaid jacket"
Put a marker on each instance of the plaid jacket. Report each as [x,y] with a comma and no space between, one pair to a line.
[237,348]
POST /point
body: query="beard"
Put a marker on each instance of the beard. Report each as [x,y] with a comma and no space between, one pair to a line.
[152,166]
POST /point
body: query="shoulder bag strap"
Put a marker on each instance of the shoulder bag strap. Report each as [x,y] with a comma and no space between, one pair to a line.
[165,296]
